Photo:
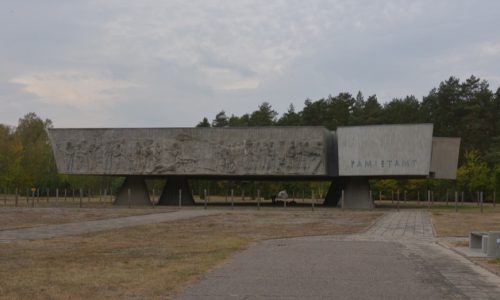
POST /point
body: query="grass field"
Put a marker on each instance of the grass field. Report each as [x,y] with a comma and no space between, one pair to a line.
[154,261]
[447,222]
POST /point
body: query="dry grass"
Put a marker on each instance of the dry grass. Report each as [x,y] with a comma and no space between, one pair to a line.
[11,218]
[461,223]
[492,265]
[153,261]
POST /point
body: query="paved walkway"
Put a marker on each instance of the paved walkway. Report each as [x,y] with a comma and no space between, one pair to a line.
[395,259]
[50,231]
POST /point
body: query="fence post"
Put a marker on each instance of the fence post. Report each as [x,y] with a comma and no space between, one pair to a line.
[379,195]
[312,200]
[342,200]
[33,197]
[446,197]
[88,198]
[65,194]
[481,200]
[205,198]
[81,196]
[258,199]
[392,197]
[153,199]
[57,196]
[405,196]
[398,200]
[232,199]
[418,197]
[180,197]
[462,198]
[456,200]
[428,199]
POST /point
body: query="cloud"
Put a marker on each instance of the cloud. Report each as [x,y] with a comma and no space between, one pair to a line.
[169,63]
[490,49]
[73,88]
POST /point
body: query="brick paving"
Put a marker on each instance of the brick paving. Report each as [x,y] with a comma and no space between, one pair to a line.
[397,258]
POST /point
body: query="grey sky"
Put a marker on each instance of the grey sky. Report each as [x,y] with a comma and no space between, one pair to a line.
[170,63]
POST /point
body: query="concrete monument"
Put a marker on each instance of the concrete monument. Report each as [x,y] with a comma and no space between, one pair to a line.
[348,157]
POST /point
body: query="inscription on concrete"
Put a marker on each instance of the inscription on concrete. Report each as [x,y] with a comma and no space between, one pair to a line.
[387,163]
[191,151]
[384,150]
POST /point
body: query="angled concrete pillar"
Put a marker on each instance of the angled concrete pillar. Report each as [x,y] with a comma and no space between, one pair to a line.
[170,193]
[138,192]
[356,193]
[334,193]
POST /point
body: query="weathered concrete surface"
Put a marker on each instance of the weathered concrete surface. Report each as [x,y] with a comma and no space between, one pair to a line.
[444,159]
[170,194]
[50,231]
[385,150]
[266,151]
[139,194]
[357,193]
[396,259]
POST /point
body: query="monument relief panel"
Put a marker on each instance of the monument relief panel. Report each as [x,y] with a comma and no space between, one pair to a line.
[444,160]
[385,150]
[297,151]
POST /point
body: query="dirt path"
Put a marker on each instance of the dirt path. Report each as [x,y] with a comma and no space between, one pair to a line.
[49,231]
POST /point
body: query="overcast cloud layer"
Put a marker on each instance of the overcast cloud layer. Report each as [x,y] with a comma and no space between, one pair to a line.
[170,63]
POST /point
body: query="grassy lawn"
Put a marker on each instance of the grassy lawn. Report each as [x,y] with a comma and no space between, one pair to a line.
[157,260]
[447,222]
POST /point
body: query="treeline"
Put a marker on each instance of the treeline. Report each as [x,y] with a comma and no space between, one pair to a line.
[26,160]
[467,109]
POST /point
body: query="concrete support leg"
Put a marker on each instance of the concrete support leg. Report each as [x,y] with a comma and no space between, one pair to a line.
[334,193]
[170,194]
[138,192]
[356,193]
